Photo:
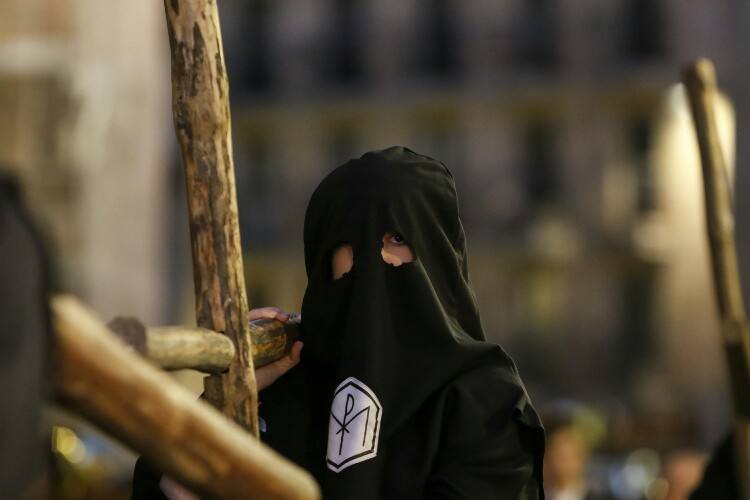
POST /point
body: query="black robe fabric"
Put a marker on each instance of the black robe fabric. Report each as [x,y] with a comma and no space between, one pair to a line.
[146,480]
[440,412]
[398,395]
[25,344]
[719,479]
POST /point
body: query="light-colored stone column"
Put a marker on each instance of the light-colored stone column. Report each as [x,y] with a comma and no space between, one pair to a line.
[120,79]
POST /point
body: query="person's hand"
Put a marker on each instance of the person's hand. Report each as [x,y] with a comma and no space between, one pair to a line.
[175,491]
[268,374]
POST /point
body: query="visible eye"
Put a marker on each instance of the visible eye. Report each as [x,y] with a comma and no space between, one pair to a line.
[396,250]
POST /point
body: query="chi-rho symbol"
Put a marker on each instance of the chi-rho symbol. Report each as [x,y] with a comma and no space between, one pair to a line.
[354,425]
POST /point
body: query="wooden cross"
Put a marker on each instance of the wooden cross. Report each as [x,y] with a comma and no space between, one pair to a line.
[101,379]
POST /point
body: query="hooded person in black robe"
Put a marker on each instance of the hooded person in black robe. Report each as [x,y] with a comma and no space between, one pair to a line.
[397,394]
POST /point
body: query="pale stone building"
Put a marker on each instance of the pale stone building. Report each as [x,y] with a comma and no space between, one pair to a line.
[85,127]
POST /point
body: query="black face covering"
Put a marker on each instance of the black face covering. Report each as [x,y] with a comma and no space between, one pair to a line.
[392,351]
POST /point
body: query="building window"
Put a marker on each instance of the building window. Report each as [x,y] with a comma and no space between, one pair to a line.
[343,144]
[257,194]
[635,342]
[639,142]
[438,134]
[643,29]
[346,40]
[535,35]
[433,42]
[440,43]
[258,43]
[247,44]
[540,175]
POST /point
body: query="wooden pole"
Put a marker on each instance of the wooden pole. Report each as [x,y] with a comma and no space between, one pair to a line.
[700,83]
[176,348]
[200,97]
[110,385]
[180,347]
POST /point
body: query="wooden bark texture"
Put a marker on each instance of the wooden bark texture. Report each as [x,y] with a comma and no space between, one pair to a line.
[181,348]
[105,382]
[700,83]
[273,339]
[200,101]
[178,348]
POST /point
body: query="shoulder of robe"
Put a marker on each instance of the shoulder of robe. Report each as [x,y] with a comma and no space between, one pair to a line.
[492,401]
[492,394]
[491,442]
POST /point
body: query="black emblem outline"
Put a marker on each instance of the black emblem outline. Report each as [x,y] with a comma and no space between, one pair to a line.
[339,466]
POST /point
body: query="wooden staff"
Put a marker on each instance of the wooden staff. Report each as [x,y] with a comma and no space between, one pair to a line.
[200,98]
[700,83]
[180,348]
[99,378]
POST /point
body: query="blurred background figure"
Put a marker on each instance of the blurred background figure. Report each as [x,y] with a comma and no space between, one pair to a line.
[682,473]
[565,464]
[566,460]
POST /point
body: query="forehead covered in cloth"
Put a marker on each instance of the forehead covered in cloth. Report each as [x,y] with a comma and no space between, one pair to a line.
[394,190]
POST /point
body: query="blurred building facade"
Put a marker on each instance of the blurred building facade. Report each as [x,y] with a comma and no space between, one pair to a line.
[546,112]
[84,125]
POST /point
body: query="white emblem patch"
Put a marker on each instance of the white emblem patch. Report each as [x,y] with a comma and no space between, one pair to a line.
[354,425]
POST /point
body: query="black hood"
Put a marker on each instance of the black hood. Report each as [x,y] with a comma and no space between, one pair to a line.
[381,341]
[404,331]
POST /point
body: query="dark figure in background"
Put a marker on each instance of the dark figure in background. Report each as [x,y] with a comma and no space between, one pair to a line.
[397,394]
[24,345]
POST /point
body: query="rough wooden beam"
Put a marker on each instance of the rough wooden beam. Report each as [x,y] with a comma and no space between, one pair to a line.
[180,347]
[100,379]
[700,83]
[200,101]
[177,348]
